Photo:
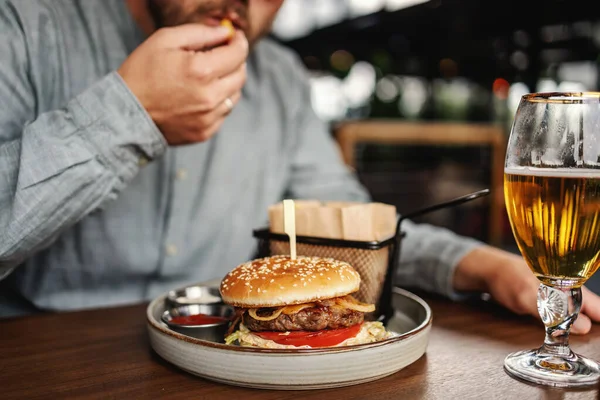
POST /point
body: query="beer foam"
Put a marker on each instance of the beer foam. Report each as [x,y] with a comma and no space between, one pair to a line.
[554,172]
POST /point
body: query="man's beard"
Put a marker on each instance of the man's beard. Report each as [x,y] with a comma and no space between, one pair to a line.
[167,13]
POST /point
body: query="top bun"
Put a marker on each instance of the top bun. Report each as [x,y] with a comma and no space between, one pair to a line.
[279,281]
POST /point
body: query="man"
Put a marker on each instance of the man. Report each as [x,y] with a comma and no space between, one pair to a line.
[140,144]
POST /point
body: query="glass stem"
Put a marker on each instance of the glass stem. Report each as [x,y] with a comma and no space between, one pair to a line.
[558,308]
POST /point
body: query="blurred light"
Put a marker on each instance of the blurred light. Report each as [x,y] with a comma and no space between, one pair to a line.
[359,85]
[555,33]
[515,92]
[451,98]
[459,89]
[395,5]
[500,88]
[386,90]
[333,98]
[448,68]
[584,72]
[362,7]
[329,12]
[546,85]
[298,18]
[521,38]
[519,60]
[341,60]
[327,98]
[567,86]
[414,96]
[293,20]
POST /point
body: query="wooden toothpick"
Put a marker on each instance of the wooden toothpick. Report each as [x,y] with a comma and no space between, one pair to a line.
[289,224]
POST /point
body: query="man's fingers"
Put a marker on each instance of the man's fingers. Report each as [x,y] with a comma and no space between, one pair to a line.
[193,36]
[582,325]
[223,60]
[591,304]
[223,88]
[230,102]
[590,311]
[212,129]
[230,84]
[221,110]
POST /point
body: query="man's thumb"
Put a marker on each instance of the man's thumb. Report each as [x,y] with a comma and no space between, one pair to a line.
[195,36]
[582,325]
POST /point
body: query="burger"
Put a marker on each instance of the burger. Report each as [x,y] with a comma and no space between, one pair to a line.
[300,303]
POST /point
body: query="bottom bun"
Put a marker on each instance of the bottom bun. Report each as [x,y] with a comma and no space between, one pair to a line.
[369,332]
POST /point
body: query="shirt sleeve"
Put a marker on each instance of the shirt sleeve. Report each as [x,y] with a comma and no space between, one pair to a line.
[429,254]
[58,166]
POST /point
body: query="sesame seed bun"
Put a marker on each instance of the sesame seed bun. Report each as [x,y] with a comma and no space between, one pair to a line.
[280,281]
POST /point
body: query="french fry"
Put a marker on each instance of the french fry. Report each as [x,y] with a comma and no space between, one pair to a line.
[227,23]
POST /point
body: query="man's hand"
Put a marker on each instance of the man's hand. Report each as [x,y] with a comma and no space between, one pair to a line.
[510,282]
[188,78]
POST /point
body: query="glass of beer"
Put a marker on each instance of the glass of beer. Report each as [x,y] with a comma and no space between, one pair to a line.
[552,195]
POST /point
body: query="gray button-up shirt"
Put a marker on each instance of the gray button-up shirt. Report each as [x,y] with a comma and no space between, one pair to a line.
[96,209]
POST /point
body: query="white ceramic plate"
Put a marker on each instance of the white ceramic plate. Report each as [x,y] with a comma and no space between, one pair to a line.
[298,369]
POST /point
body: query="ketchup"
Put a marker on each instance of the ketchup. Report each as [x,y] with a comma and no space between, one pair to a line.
[198,319]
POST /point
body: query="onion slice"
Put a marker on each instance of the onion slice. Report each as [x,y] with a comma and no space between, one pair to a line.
[345,302]
[275,314]
[353,304]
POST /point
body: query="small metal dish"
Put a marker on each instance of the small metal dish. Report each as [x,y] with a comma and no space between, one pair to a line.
[214,332]
[194,295]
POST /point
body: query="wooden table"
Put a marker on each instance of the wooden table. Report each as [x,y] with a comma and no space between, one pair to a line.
[105,354]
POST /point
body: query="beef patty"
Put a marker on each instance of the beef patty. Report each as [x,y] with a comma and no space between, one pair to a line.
[309,319]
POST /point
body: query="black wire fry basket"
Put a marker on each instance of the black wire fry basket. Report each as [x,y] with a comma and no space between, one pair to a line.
[371,260]
[375,261]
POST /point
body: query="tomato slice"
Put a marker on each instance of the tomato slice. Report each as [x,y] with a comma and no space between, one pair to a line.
[324,338]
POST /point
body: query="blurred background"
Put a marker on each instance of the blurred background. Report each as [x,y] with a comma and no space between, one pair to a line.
[420,94]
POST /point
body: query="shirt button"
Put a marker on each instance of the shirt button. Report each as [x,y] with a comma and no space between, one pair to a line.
[181,174]
[171,250]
